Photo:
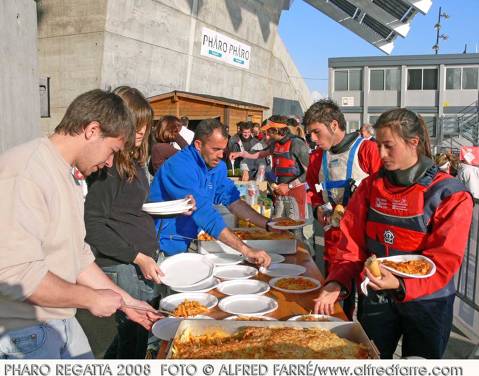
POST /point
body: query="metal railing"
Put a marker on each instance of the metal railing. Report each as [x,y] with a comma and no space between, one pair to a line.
[460,128]
[466,310]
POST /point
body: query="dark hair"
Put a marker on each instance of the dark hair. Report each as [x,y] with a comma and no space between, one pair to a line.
[167,128]
[142,115]
[281,131]
[106,108]
[292,122]
[279,119]
[407,125]
[184,121]
[206,128]
[246,125]
[325,111]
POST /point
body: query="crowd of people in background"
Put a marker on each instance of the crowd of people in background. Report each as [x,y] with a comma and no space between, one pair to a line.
[356,185]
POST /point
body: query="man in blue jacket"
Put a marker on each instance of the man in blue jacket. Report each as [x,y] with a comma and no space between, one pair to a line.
[200,171]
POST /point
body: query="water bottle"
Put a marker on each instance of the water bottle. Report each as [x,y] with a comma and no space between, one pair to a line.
[252,193]
[260,174]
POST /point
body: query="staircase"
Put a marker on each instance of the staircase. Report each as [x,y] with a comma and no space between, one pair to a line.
[459,130]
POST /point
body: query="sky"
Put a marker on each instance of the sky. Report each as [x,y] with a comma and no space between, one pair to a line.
[312,37]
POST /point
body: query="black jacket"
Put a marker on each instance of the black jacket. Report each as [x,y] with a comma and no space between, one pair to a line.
[116,227]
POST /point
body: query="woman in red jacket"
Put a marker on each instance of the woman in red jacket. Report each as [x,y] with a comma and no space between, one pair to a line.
[408,207]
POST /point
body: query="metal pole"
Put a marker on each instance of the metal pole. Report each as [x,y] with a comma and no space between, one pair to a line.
[437,30]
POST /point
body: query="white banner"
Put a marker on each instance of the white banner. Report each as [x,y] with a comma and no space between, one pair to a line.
[220,47]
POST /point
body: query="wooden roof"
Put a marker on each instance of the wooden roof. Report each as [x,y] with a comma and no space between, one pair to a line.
[177,95]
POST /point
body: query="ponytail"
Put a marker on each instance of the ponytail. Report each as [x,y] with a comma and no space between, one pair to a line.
[407,125]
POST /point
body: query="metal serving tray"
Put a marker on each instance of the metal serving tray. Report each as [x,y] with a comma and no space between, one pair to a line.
[344,329]
[282,246]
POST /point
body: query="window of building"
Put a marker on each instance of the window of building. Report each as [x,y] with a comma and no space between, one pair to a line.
[430,124]
[377,79]
[355,78]
[353,125]
[469,78]
[385,79]
[453,78]
[422,79]
[341,80]
[373,119]
[462,78]
[348,79]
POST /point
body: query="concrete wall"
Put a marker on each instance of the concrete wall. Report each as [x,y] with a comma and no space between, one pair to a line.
[19,91]
[155,45]
[70,51]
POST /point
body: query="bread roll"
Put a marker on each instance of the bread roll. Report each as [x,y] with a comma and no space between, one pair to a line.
[372,264]
[337,215]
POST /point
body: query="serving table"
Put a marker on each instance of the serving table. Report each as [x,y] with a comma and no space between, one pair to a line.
[288,304]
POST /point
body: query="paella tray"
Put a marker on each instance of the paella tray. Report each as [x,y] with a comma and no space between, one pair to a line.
[281,246]
[352,331]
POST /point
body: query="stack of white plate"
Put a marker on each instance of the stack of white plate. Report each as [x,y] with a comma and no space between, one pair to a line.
[231,272]
[168,207]
[243,286]
[248,305]
[283,270]
[186,271]
[204,286]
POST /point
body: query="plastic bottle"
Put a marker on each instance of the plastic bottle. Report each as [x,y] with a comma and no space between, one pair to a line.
[260,174]
[252,193]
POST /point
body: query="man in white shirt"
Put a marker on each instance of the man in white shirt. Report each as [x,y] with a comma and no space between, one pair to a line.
[184,132]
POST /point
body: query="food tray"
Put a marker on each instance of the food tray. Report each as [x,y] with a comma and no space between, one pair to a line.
[281,246]
[346,329]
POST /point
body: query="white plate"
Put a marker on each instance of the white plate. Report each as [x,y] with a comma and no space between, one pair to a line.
[166,328]
[323,318]
[243,286]
[170,302]
[248,305]
[283,270]
[235,272]
[224,259]
[276,258]
[272,283]
[260,318]
[205,286]
[169,211]
[403,258]
[185,269]
[166,204]
[293,227]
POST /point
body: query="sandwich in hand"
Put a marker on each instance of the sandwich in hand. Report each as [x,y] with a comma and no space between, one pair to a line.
[337,215]
[372,264]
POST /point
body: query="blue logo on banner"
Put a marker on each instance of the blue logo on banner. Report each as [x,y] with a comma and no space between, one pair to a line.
[214,53]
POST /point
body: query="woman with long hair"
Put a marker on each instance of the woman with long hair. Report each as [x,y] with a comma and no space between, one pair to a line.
[409,207]
[165,131]
[121,235]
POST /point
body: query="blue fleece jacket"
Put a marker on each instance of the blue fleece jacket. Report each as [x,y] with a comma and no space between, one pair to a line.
[187,173]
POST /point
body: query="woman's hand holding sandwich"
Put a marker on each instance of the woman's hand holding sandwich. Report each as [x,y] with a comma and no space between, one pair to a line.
[379,277]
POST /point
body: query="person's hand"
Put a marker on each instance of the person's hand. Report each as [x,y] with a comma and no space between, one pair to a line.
[104,303]
[145,318]
[192,201]
[149,268]
[236,154]
[281,189]
[387,281]
[323,219]
[257,256]
[328,295]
